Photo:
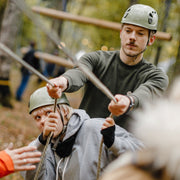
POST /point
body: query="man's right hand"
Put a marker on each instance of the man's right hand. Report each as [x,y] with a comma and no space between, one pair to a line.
[60,84]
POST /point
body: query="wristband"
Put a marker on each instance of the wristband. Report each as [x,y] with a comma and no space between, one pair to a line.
[131,105]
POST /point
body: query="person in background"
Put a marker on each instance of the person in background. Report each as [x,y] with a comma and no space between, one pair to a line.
[53,70]
[132,79]
[30,58]
[13,160]
[74,148]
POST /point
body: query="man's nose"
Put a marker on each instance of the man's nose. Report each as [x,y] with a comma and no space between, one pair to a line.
[43,120]
[133,35]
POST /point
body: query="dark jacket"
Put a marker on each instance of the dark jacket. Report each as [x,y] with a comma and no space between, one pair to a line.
[32,60]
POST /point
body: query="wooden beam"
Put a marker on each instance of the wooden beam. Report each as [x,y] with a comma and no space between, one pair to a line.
[50,58]
[87,20]
[54,59]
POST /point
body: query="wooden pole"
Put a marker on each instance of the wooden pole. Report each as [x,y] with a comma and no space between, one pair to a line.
[87,20]
[54,59]
[50,58]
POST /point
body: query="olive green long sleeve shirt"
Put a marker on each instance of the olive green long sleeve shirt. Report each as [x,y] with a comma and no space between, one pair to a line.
[144,80]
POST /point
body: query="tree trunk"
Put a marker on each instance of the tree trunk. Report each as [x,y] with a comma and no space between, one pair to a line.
[164,27]
[8,32]
[2,8]
[176,70]
[131,2]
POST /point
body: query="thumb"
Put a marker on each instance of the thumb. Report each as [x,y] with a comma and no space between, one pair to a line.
[10,146]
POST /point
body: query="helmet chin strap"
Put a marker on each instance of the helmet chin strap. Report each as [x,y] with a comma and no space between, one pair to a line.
[141,51]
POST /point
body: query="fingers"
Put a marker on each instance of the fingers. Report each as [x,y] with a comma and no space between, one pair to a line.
[24,149]
[25,168]
[10,146]
[108,123]
[27,155]
[54,92]
[26,164]
[60,84]
[121,106]
[52,121]
[50,124]
[24,156]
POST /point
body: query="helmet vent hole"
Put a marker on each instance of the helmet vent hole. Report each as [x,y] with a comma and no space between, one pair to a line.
[127,13]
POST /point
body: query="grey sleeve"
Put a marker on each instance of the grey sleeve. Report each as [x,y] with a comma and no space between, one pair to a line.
[48,167]
[125,141]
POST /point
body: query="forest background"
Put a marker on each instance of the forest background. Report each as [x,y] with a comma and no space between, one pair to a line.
[17,30]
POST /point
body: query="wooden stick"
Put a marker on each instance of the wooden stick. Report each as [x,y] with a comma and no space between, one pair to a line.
[54,59]
[50,58]
[53,36]
[87,20]
[11,54]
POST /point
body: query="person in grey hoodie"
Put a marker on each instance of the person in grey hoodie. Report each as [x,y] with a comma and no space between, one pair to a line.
[73,151]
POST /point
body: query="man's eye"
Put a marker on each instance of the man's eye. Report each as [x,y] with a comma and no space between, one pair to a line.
[48,112]
[128,31]
[37,118]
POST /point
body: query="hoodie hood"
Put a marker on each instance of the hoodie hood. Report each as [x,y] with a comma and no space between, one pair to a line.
[75,122]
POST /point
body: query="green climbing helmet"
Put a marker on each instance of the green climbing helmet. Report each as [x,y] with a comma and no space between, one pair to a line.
[41,98]
[141,15]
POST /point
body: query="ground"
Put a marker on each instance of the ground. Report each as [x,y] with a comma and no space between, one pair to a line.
[16,124]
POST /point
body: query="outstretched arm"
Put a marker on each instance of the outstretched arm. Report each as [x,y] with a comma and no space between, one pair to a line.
[117,139]
[12,160]
[21,157]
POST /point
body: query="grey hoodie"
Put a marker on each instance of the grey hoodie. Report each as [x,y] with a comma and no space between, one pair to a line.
[81,164]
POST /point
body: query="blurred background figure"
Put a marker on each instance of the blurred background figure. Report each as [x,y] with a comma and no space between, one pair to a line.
[25,73]
[53,70]
[158,126]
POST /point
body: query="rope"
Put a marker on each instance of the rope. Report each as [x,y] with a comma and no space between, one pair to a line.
[43,156]
[45,148]
[99,160]
[99,156]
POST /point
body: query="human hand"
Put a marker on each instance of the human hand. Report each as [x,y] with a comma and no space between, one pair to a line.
[21,157]
[51,124]
[108,123]
[121,106]
[108,131]
[60,84]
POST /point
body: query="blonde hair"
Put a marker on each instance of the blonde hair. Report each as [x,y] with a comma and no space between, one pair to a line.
[66,108]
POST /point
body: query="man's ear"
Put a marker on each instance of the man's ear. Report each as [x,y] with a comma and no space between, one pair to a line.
[120,33]
[151,40]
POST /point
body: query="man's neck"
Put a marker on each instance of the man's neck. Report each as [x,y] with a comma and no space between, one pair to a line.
[130,60]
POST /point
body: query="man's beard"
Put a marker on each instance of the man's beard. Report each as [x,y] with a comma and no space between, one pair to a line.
[133,55]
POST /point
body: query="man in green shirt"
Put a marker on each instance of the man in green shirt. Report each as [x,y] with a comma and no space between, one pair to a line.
[126,73]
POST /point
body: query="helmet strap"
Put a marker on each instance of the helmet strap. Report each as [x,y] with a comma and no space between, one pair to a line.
[63,129]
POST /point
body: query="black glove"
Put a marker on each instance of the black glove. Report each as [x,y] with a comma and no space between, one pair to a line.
[42,141]
[108,136]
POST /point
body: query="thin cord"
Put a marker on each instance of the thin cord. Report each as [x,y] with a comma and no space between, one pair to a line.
[99,156]
[45,148]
